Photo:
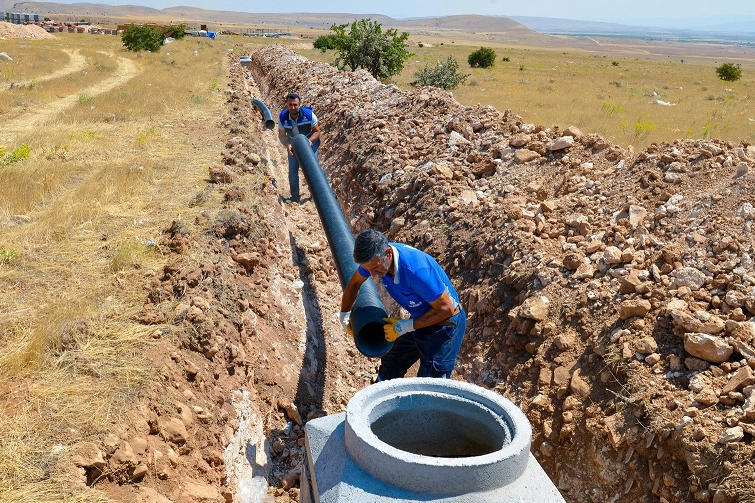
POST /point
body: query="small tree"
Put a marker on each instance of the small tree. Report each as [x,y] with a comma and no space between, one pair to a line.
[175,31]
[366,46]
[326,42]
[729,72]
[142,38]
[444,75]
[484,57]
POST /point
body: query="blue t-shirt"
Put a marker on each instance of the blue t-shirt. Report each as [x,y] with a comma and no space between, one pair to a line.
[418,280]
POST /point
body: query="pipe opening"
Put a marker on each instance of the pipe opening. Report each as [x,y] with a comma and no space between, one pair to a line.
[370,340]
[439,426]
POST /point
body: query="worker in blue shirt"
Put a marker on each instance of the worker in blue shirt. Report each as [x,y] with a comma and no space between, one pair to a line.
[435,329]
[296,119]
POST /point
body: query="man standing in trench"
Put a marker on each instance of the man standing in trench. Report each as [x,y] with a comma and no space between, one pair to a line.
[296,119]
[414,279]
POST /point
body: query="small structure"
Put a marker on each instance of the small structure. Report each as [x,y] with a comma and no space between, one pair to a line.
[422,439]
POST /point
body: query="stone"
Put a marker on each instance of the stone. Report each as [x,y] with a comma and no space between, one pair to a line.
[173,430]
[535,308]
[652,358]
[700,321]
[646,345]
[634,307]
[124,456]
[560,143]
[744,331]
[707,347]
[578,385]
[688,276]
[742,377]
[584,271]
[612,255]
[523,155]
[637,215]
[730,435]
[573,131]
[248,260]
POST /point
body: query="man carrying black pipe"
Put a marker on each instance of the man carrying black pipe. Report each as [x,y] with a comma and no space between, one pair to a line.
[434,332]
[296,119]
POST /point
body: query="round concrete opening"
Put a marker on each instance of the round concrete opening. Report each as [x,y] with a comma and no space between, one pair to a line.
[437,436]
[438,425]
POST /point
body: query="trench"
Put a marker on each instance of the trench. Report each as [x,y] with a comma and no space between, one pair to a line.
[498,352]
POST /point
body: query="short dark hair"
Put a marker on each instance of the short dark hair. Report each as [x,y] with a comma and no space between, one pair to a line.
[369,244]
[292,96]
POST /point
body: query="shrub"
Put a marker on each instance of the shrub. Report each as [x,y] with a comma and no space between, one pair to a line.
[178,31]
[20,154]
[483,57]
[444,75]
[729,72]
[142,38]
[326,42]
[506,59]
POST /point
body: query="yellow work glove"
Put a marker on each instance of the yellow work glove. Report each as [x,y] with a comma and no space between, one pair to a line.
[395,328]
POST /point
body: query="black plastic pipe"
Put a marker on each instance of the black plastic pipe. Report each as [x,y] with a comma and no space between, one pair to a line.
[368,311]
[267,117]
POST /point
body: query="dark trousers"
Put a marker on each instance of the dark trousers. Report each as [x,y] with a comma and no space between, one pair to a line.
[435,347]
[293,171]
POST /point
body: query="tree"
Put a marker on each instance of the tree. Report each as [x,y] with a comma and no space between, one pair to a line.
[366,46]
[175,31]
[444,75]
[326,42]
[483,57]
[729,72]
[142,38]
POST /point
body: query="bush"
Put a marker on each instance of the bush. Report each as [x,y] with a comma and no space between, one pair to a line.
[176,32]
[444,75]
[20,154]
[729,72]
[326,42]
[366,46]
[142,38]
[483,57]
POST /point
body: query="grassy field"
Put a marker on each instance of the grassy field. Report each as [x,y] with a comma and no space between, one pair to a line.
[629,100]
[96,163]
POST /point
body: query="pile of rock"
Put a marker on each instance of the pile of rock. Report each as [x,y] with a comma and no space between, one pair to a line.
[610,292]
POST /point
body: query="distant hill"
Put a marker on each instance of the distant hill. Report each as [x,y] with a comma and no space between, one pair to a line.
[744,30]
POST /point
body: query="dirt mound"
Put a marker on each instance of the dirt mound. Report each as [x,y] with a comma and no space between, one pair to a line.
[610,293]
[10,30]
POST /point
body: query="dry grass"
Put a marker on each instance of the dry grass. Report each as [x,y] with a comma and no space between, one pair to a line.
[114,156]
[612,96]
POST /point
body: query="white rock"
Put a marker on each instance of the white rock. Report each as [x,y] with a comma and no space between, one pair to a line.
[707,347]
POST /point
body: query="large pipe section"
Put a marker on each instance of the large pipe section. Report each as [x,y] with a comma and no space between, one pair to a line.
[420,439]
[267,117]
[368,311]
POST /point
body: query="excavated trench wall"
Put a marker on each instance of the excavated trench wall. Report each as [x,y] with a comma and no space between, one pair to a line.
[539,229]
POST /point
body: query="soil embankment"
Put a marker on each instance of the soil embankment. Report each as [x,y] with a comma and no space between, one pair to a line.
[610,293]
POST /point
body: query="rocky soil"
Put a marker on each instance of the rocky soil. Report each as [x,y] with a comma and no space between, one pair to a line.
[610,293]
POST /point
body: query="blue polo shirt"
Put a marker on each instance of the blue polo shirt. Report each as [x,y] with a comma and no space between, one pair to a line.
[304,121]
[418,280]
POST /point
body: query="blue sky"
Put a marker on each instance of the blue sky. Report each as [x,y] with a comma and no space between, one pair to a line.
[674,13]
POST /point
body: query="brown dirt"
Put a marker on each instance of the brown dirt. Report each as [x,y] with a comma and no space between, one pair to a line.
[582,268]
[10,30]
